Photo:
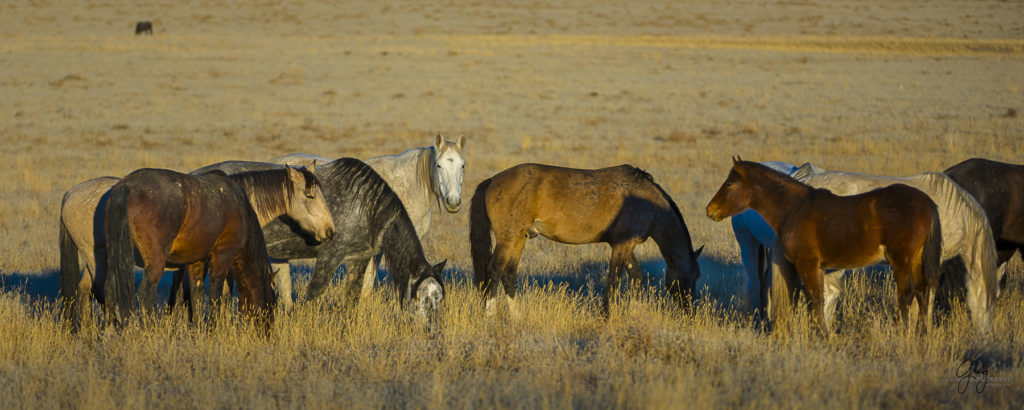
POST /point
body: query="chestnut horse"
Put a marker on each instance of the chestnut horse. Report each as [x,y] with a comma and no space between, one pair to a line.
[820,230]
[621,206]
[177,218]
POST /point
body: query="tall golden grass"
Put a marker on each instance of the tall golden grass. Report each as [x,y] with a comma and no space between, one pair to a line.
[676,88]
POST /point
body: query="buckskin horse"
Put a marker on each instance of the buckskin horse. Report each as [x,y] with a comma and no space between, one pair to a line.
[819,230]
[621,206]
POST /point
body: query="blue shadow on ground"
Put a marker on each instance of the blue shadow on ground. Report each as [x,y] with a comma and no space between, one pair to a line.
[584,279]
[45,285]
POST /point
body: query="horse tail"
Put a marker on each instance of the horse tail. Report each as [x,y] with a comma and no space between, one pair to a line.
[69,272]
[480,235]
[120,278]
[931,254]
[257,261]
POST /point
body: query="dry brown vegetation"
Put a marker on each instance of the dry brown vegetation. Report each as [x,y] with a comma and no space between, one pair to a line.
[676,88]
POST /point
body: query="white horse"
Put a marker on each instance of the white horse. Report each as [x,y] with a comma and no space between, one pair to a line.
[965,233]
[421,177]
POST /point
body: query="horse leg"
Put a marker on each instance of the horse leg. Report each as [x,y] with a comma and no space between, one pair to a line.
[751,252]
[353,288]
[193,290]
[831,296]
[83,300]
[813,278]
[783,285]
[323,271]
[370,274]
[505,263]
[620,257]
[905,289]
[175,288]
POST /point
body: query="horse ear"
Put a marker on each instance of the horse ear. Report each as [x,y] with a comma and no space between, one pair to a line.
[438,142]
[312,167]
[698,252]
[440,266]
[292,172]
[459,142]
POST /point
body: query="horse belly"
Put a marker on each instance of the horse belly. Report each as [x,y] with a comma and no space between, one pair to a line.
[193,244]
[577,235]
[856,259]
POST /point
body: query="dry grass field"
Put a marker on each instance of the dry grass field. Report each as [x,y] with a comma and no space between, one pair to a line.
[676,88]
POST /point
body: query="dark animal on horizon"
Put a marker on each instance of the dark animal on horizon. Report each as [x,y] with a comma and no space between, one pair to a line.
[370,219]
[819,230]
[144,27]
[293,193]
[999,188]
[621,206]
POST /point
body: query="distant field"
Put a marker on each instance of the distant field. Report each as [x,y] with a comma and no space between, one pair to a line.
[675,88]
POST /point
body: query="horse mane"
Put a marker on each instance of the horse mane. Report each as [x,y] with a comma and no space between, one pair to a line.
[425,161]
[773,179]
[263,189]
[806,171]
[395,235]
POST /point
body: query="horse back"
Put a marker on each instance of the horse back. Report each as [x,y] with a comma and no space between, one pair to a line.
[851,231]
[569,205]
[999,189]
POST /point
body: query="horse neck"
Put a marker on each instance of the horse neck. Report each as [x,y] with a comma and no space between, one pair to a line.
[267,192]
[402,249]
[426,166]
[673,240]
[773,196]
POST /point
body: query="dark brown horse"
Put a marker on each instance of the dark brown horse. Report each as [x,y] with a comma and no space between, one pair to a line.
[999,188]
[621,206]
[184,219]
[820,230]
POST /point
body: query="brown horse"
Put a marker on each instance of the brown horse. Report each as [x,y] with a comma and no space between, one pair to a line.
[621,206]
[820,230]
[184,219]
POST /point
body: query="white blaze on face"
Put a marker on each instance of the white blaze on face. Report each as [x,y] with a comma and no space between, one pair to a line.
[427,302]
[450,166]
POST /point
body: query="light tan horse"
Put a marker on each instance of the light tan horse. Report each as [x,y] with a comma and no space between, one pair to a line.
[621,206]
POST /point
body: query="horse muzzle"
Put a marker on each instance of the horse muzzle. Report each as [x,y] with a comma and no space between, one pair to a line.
[452,205]
[326,235]
[714,214]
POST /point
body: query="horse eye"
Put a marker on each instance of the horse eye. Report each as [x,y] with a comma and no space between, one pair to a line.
[439,166]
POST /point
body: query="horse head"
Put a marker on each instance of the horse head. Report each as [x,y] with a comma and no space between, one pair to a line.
[427,294]
[448,170]
[733,196]
[308,207]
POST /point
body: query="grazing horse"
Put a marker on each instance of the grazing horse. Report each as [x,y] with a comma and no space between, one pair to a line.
[421,177]
[621,206]
[295,193]
[819,230]
[965,230]
[999,188]
[370,220]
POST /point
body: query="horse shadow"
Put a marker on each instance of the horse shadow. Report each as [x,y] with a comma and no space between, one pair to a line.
[44,286]
[720,282]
